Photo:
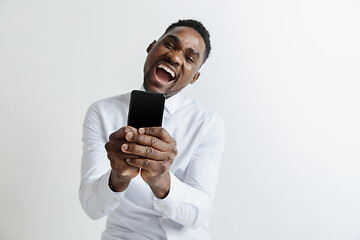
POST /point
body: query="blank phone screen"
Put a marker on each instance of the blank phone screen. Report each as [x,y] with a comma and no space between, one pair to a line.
[146,109]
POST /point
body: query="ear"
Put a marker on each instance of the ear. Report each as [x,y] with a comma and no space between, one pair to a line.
[150,46]
[196,76]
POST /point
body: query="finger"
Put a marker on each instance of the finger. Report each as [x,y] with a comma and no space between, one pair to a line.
[158,132]
[120,134]
[147,152]
[114,145]
[121,155]
[120,165]
[148,164]
[151,141]
[115,148]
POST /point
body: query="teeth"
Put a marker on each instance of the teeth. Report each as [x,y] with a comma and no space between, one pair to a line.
[171,72]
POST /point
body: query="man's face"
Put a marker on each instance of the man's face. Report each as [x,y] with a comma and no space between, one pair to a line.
[173,61]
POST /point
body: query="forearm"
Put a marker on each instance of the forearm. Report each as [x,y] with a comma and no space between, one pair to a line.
[185,204]
[161,188]
[96,197]
[117,183]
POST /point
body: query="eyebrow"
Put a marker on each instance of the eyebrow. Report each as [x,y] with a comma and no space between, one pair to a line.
[177,40]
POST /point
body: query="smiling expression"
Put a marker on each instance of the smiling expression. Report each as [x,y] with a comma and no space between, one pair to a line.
[173,61]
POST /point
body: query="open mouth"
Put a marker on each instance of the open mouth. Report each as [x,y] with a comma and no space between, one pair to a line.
[164,74]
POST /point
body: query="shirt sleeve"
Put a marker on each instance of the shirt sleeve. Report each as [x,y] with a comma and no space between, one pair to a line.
[190,202]
[96,197]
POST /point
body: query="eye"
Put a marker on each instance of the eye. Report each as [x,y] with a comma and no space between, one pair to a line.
[189,59]
[168,45]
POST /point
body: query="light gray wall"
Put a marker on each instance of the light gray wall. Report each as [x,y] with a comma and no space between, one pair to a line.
[283,74]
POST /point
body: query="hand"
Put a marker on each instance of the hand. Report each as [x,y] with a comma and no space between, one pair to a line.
[122,172]
[157,151]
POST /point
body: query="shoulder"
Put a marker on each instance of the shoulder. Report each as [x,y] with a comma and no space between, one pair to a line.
[206,123]
[111,102]
[201,119]
[108,114]
[116,105]
[201,111]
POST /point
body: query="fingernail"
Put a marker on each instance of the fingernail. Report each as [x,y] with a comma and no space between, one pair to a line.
[124,147]
[141,130]
[129,136]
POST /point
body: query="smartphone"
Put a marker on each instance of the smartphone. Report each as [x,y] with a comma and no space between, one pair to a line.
[146,109]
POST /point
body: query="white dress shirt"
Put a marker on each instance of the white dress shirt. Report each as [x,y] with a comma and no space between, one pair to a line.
[136,213]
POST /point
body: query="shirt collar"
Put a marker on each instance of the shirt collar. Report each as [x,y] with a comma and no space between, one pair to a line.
[172,103]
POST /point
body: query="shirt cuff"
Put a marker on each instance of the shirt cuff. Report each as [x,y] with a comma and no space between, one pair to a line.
[108,196]
[169,205]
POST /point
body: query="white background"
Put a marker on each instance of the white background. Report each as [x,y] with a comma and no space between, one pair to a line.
[283,74]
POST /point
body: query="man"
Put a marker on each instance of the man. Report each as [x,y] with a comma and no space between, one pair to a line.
[160,182]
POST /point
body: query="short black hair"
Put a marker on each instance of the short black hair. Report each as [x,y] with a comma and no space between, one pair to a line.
[197,26]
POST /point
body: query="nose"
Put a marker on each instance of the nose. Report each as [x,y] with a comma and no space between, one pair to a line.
[175,57]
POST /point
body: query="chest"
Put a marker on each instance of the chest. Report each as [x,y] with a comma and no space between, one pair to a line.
[186,127]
